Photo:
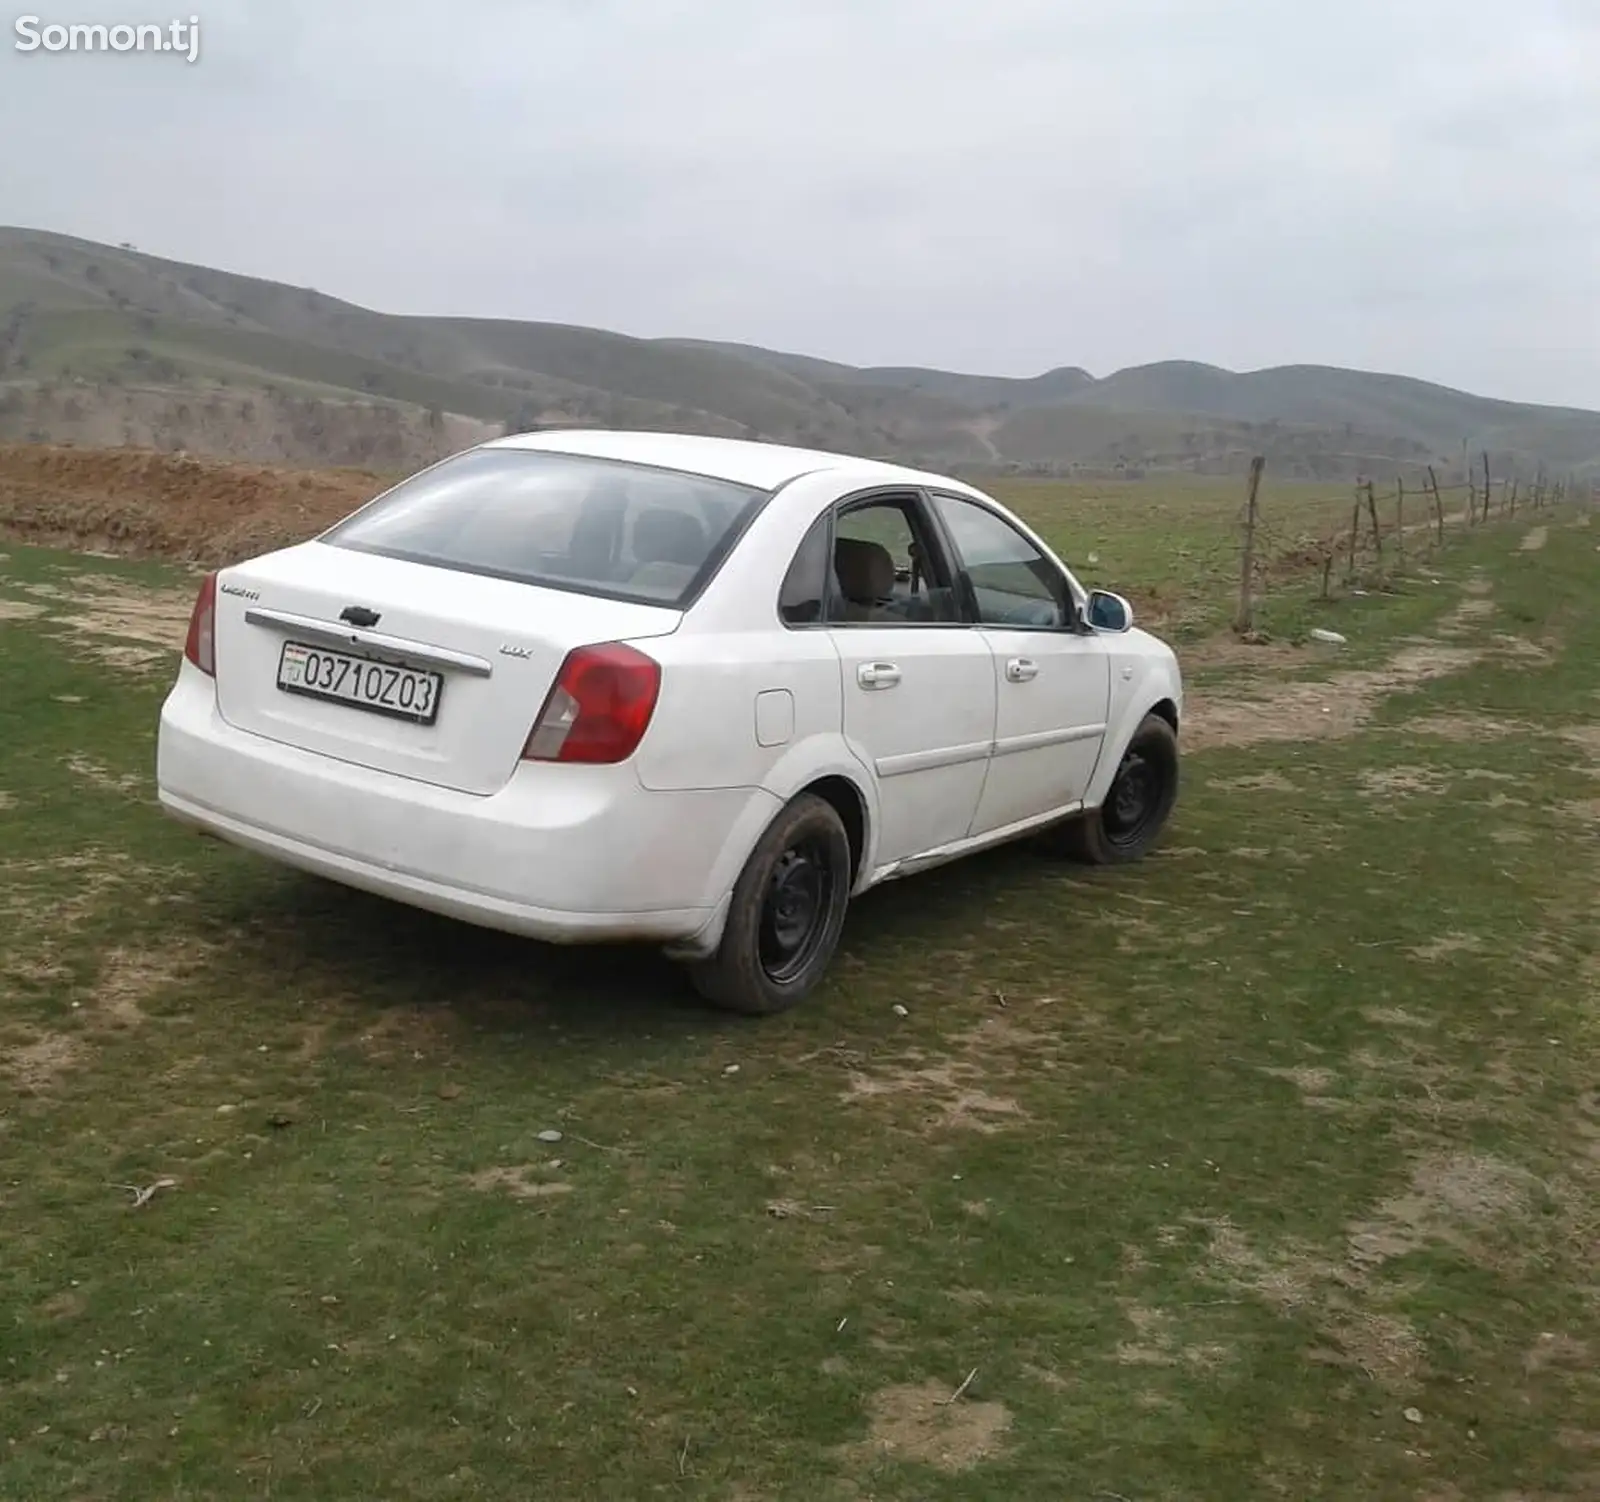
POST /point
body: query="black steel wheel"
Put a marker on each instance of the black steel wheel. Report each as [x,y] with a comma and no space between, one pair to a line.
[786,915]
[1137,805]
[1135,799]
[795,912]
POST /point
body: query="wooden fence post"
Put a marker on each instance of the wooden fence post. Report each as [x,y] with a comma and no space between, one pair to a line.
[1488,486]
[1377,534]
[1438,503]
[1514,484]
[1355,536]
[1400,518]
[1244,617]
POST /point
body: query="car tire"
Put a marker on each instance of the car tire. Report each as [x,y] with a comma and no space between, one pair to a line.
[786,914]
[1137,805]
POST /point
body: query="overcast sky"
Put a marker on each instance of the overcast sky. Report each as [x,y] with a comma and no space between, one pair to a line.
[988,185]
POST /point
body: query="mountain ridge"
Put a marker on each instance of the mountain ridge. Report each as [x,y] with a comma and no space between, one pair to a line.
[85,327]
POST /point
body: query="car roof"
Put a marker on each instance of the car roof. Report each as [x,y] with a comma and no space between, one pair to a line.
[741,460]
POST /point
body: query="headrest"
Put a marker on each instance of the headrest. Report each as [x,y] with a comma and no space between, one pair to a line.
[865,570]
[661,535]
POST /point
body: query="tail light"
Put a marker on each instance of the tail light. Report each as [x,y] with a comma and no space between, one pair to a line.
[201,647]
[600,706]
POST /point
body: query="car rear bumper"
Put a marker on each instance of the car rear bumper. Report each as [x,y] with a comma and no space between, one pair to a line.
[567,854]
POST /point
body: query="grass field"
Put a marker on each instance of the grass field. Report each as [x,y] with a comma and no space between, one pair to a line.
[1268,1168]
[1173,545]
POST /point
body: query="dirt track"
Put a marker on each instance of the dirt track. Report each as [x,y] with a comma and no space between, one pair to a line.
[143,504]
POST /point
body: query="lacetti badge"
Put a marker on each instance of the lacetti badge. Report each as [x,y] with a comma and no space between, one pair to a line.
[241,591]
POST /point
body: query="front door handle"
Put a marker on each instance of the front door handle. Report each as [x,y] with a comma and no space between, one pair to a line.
[878,675]
[1021,669]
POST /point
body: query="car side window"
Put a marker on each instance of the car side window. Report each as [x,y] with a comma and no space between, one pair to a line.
[805,586]
[1013,582]
[888,569]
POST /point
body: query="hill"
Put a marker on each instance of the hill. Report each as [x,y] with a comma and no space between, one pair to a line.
[106,345]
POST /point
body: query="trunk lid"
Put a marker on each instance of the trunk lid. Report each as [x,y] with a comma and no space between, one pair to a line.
[495,646]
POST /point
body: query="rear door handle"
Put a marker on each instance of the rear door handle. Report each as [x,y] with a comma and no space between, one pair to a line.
[878,675]
[1021,669]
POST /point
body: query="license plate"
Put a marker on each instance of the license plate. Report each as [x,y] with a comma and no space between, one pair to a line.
[381,687]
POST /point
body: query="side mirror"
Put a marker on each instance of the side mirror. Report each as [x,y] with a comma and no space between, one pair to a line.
[1108,612]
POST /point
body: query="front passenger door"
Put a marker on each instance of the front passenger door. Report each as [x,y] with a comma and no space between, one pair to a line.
[1052,680]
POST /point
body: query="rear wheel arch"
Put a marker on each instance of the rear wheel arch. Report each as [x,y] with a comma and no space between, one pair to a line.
[785,913]
[1168,711]
[850,804]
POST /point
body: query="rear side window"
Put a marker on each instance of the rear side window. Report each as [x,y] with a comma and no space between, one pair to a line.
[597,526]
[806,584]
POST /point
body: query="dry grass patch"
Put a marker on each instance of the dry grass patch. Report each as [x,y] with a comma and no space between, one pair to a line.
[19,610]
[95,874]
[1467,728]
[114,622]
[1561,1352]
[1266,711]
[951,1092]
[1587,739]
[1298,1279]
[1451,1197]
[1227,651]
[1288,1279]
[1534,539]
[1313,1083]
[35,1064]
[1469,614]
[1384,1346]
[1416,1082]
[412,1032]
[1156,1343]
[1471,611]
[1260,782]
[130,977]
[1447,945]
[96,775]
[920,1423]
[1395,1016]
[1520,649]
[519,1183]
[1403,782]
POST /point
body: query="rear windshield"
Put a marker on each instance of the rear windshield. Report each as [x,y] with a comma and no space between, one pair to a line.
[597,526]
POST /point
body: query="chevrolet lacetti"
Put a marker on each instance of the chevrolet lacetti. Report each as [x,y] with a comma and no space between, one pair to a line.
[697,692]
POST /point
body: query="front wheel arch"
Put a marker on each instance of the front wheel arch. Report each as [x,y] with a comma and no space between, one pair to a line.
[1094,836]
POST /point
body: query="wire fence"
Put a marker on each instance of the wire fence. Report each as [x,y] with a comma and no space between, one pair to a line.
[1387,531]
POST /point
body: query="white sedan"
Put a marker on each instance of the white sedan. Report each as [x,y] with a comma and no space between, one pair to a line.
[698,692]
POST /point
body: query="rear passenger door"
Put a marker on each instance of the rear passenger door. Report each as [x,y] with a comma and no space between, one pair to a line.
[918,680]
